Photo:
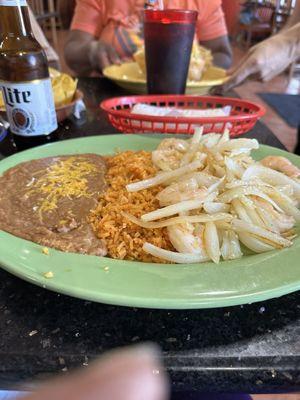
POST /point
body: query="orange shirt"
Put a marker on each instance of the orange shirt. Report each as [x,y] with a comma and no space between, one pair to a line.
[118,22]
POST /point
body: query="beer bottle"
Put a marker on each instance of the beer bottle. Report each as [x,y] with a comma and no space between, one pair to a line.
[24,77]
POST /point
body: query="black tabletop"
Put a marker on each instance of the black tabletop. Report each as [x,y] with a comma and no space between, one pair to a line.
[250,348]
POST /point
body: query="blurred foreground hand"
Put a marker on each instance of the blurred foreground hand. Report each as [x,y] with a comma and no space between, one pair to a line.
[267,59]
[124,374]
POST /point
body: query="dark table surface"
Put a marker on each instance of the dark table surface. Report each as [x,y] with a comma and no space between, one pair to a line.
[251,348]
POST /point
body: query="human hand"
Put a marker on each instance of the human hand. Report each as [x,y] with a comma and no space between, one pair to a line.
[265,60]
[102,55]
[127,374]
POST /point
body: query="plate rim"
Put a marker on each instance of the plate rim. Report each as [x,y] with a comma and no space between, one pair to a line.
[142,81]
[142,302]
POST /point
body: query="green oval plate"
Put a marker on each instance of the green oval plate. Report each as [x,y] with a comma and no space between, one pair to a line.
[253,278]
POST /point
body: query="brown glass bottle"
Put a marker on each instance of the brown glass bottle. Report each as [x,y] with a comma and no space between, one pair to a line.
[24,77]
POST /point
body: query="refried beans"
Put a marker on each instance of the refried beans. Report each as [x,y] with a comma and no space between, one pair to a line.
[47,201]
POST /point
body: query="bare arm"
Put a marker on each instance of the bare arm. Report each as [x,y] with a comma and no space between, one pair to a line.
[85,54]
[221,51]
[268,58]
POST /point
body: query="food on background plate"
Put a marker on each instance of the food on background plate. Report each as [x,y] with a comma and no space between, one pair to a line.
[281,164]
[48,200]
[201,61]
[188,201]
[63,87]
[139,58]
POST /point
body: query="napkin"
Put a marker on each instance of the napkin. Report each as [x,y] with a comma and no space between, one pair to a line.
[145,109]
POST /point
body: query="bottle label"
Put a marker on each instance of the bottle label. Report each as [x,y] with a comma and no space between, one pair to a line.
[30,107]
[13,3]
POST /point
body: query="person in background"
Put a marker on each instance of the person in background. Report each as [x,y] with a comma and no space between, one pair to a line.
[270,57]
[104,32]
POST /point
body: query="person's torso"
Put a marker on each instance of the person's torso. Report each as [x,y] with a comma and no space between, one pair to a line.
[122,21]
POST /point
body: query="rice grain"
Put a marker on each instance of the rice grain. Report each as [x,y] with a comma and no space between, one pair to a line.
[125,240]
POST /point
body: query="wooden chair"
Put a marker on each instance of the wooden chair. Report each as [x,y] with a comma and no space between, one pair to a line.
[263,20]
[66,10]
[47,16]
[283,11]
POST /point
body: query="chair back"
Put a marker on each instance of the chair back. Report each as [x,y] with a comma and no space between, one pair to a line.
[37,6]
[264,11]
[283,10]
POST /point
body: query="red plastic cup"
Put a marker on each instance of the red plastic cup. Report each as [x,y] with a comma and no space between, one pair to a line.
[169,38]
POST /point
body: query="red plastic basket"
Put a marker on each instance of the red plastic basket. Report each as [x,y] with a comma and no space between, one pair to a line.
[244,114]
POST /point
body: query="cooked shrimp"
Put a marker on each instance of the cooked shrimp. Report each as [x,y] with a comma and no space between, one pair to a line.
[184,239]
[282,221]
[231,248]
[271,177]
[169,153]
[173,144]
[281,164]
[185,190]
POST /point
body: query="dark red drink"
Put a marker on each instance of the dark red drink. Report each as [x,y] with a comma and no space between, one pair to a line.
[168,43]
